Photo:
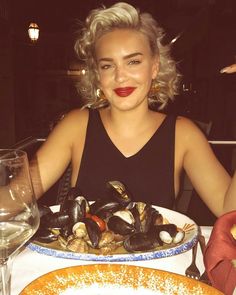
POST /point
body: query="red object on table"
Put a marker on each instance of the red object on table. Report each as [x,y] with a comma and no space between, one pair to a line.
[219,253]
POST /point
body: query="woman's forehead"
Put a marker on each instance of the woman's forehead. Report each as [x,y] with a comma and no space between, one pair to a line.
[122,41]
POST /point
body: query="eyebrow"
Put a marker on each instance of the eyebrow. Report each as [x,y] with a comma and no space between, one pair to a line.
[125,57]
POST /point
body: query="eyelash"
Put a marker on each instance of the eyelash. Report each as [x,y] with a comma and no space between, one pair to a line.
[105,67]
[131,62]
[135,62]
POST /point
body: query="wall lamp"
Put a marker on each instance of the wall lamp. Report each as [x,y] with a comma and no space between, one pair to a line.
[33,32]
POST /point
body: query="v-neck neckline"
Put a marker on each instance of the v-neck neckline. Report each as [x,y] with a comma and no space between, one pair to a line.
[141,149]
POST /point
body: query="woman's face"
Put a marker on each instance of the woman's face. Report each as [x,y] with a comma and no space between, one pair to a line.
[126,68]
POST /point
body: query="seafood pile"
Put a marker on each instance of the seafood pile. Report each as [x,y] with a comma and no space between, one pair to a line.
[106,224]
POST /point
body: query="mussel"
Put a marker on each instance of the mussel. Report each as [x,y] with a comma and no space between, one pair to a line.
[93,231]
[120,226]
[141,242]
[119,192]
[45,235]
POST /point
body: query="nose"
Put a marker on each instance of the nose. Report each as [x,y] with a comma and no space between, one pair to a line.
[120,74]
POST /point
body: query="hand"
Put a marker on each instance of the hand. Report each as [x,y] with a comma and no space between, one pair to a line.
[229,69]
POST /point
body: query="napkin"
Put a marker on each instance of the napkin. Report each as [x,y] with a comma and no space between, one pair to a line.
[220,253]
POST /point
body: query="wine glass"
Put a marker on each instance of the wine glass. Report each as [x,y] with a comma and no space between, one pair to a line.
[19,215]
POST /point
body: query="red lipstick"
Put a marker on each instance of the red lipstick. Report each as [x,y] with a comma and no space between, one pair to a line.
[124,91]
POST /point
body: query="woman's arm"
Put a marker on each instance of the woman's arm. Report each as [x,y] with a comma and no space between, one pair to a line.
[229,69]
[230,197]
[208,176]
[55,154]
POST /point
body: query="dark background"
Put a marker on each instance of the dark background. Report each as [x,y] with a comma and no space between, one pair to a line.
[34,79]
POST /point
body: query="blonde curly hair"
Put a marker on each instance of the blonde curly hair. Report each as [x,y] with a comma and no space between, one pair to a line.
[124,16]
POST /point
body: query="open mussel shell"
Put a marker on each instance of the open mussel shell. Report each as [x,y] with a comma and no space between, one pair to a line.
[169,233]
[151,218]
[118,191]
[104,208]
[179,237]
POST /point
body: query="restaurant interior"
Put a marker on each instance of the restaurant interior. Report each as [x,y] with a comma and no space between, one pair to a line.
[67,247]
[38,77]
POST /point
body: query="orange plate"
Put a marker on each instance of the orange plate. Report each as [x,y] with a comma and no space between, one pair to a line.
[114,279]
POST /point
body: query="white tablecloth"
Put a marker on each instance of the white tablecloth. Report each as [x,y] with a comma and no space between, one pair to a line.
[29,265]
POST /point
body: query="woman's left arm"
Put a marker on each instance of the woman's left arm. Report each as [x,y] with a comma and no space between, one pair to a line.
[207,174]
[230,197]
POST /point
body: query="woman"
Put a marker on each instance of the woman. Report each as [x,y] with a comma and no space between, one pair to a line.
[119,137]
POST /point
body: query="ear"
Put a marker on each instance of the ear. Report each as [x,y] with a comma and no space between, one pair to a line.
[155,67]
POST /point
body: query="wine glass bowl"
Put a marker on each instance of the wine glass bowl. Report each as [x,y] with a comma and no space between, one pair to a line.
[19,216]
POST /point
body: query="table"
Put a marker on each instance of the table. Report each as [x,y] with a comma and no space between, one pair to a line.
[29,265]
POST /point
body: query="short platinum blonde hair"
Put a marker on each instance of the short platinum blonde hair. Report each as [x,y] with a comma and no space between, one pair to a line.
[124,16]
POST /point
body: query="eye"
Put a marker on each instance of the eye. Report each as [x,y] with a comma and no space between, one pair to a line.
[105,66]
[134,62]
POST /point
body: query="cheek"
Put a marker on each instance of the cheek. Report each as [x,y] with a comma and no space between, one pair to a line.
[104,80]
[144,76]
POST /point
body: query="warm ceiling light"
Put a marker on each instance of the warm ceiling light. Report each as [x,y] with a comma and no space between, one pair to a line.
[33,32]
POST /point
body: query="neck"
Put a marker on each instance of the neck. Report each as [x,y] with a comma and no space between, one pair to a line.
[127,122]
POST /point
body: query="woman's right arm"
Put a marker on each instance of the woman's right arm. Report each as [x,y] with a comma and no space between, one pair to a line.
[55,154]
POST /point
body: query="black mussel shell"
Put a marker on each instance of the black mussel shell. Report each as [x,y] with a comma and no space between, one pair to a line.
[137,221]
[151,217]
[76,210]
[56,220]
[93,231]
[140,242]
[73,193]
[44,210]
[118,192]
[104,208]
[170,228]
[66,230]
[44,235]
[120,226]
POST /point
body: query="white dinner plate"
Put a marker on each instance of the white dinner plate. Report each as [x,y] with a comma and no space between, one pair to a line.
[181,220]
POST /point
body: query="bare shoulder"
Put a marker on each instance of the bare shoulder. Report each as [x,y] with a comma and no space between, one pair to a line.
[75,116]
[71,127]
[74,121]
[188,133]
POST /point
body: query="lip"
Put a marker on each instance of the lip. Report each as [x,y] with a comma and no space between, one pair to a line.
[124,91]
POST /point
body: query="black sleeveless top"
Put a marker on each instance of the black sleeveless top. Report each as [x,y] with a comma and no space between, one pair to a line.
[148,175]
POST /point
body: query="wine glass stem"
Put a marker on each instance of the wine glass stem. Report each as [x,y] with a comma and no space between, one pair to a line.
[5,277]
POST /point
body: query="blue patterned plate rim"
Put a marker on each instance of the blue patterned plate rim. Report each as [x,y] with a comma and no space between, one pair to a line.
[181,220]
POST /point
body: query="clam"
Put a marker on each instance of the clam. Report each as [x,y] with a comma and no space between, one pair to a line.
[79,230]
[78,245]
